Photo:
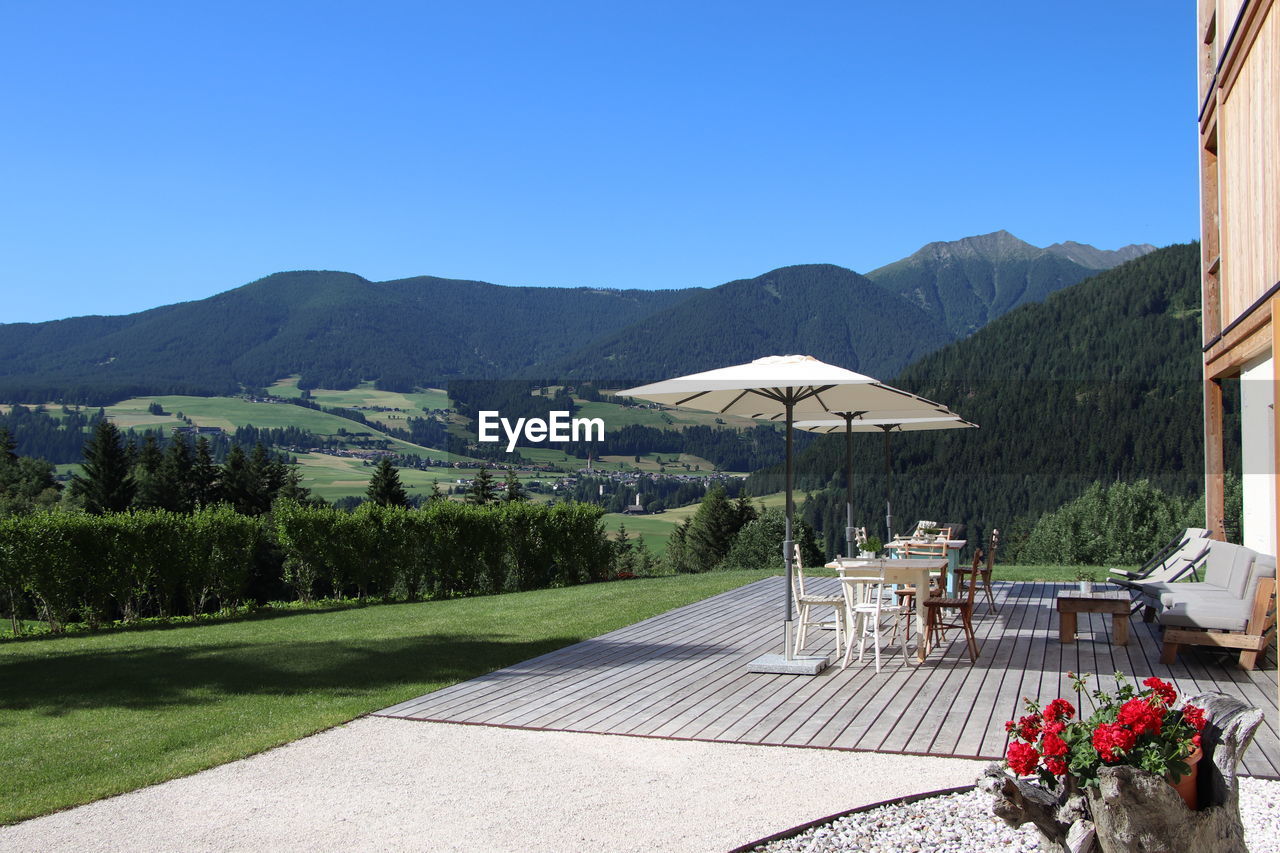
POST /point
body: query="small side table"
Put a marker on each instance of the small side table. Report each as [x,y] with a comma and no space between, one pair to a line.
[1071,602]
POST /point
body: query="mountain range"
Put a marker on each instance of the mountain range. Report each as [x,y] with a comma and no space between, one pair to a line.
[336,329]
[1099,382]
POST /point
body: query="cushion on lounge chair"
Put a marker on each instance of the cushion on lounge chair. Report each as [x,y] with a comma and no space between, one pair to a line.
[1227,566]
[1220,611]
[1205,605]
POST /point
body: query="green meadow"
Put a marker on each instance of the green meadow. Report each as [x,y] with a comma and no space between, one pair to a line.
[88,716]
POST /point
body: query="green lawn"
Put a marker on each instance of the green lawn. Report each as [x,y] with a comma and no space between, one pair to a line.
[88,716]
[231,412]
[365,394]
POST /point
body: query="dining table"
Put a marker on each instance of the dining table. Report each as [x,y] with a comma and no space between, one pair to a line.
[954,547]
[914,571]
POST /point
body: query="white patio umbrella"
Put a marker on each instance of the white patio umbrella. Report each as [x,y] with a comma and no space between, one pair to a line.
[886,423]
[779,387]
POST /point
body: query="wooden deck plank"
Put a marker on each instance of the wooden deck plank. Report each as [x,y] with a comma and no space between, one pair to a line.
[683,674]
[988,708]
[964,711]
[572,700]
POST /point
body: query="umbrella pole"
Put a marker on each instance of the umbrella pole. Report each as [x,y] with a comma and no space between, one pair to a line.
[888,489]
[850,551]
[787,542]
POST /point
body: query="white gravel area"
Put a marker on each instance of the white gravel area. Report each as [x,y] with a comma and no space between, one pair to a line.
[963,823]
[386,784]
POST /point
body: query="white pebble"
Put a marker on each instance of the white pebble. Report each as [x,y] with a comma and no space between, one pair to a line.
[963,823]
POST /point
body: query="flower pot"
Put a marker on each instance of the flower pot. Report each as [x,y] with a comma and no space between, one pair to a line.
[1186,786]
[1086,587]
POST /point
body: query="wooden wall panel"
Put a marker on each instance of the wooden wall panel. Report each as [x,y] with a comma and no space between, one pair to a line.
[1249,148]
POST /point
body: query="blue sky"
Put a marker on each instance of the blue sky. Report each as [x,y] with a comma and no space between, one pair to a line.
[159,152]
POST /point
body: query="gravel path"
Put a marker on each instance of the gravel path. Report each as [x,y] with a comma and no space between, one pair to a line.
[963,823]
[385,784]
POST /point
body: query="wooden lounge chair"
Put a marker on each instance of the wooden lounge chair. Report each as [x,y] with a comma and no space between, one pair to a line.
[1233,608]
[1181,558]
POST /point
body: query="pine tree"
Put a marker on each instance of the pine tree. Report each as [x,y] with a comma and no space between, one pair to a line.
[482,490]
[175,492]
[436,494]
[712,530]
[146,473]
[624,559]
[268,475]
[515,491]
[384,486]
[206,489]
[105,484]
[239,483]
[294,490]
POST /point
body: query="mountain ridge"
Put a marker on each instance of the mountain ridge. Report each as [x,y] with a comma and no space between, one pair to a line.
[969,282]
[338,328]
[823,310]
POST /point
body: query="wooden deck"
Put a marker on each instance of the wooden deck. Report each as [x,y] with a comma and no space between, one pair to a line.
[683,675]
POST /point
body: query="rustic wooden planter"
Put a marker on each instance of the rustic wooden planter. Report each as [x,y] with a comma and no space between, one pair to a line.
[1138,812]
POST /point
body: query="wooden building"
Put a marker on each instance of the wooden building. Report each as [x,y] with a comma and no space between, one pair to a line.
[1239,103]
[1239,111]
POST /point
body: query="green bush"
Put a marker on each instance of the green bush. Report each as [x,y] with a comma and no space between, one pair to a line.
[1120,524]
[759,544]
[95,568]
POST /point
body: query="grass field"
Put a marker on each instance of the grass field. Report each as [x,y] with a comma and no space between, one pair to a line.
[366,395]
[683,463]
[88,716]
[231,412]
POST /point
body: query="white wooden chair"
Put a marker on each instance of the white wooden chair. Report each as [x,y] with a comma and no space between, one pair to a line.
[868,600]
[807,603]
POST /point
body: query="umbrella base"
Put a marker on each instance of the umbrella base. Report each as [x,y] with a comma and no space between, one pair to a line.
[782,665]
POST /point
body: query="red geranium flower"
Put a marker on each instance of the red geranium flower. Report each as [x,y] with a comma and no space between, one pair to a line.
[1163,689]
[1059,710]
[1022,758]
[1029,727]
[1056,766]
[1111,740]
[1141,716]
[1053,746]
[1194,716]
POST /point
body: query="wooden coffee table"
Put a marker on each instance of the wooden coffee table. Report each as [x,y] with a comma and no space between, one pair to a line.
[1071,602]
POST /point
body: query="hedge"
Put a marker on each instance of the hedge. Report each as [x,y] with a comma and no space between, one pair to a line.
[66,567]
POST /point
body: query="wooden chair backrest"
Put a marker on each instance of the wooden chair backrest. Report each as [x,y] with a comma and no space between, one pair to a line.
[991,548]
[973,578]
[925,549]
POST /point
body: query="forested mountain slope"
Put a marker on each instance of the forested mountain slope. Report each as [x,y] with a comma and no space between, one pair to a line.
[334,328]
[1099,382]
[821,310]
[967,283]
